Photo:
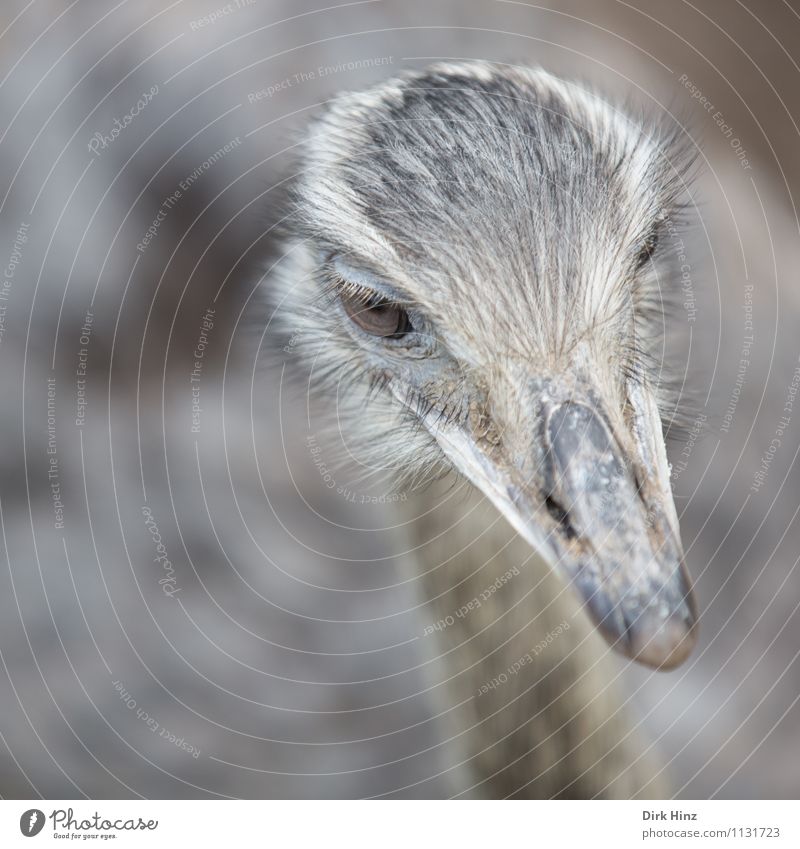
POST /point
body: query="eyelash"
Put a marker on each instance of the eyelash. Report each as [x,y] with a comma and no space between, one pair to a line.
[335,286]
[368,297]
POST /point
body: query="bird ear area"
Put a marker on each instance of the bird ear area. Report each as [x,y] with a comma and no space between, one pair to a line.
[648,247]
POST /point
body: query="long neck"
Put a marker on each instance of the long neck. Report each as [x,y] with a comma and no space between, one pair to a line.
[525,685]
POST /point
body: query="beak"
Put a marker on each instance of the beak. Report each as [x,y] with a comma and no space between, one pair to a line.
[594,499]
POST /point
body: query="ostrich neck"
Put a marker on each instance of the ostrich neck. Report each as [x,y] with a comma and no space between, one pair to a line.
[522,680]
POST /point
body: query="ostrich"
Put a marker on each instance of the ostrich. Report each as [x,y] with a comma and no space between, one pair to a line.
[473,270]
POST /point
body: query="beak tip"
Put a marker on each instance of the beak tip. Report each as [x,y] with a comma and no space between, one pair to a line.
[661,643]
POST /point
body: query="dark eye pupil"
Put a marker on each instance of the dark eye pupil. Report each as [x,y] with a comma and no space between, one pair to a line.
[377,316]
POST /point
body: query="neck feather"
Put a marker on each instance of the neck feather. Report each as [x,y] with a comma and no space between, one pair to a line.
[525,686]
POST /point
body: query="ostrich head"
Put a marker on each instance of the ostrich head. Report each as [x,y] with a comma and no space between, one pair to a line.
[474,272]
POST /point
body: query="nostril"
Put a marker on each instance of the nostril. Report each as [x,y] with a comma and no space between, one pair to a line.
[638,478]
[559,515]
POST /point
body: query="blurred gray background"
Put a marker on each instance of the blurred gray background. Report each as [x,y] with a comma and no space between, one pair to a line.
[288,659]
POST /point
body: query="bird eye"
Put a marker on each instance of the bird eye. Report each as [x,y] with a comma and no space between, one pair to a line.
[647,250]
[376,315]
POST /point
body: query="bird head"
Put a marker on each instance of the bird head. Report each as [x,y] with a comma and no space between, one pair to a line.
[477,267]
